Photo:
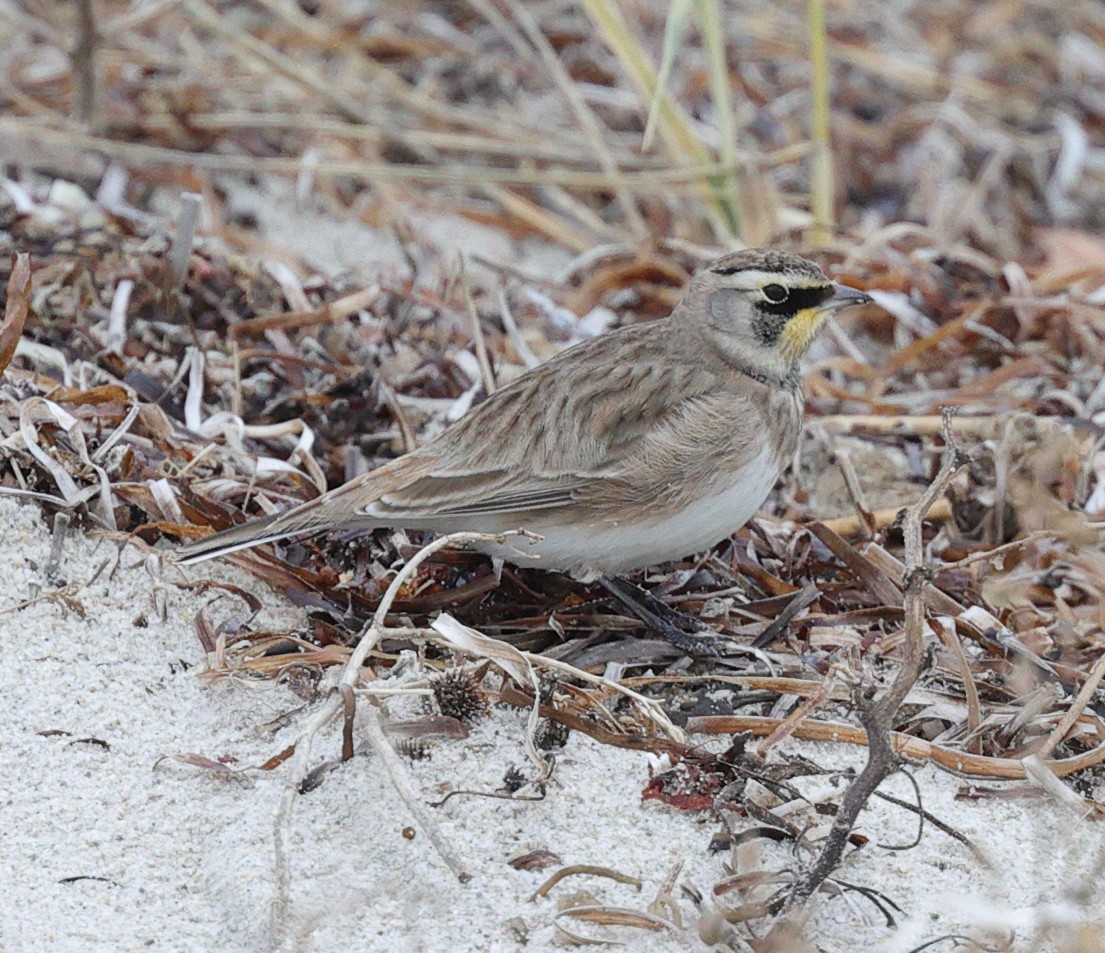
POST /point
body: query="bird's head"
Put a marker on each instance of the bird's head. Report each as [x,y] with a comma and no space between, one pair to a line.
[762,309]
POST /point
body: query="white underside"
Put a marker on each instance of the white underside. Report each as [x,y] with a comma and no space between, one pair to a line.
[610,548]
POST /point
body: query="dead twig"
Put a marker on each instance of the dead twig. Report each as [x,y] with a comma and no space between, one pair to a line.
[877,715]
[588,869]
[979,854]
[57,544]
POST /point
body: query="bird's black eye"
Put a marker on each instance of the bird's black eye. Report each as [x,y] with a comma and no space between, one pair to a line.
[776,294]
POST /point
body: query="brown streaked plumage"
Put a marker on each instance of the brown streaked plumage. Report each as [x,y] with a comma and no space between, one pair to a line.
[641,445]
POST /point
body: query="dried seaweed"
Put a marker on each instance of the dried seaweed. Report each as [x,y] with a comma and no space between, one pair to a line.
[162,376]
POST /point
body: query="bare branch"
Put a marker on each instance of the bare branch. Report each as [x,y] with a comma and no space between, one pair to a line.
[877,715]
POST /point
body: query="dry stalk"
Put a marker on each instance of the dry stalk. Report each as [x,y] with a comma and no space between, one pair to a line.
[881,519]
[904,425]
[180,251]
[795,718]
[864,512]
[330,708]
[332,313]
[877,717]
[953,760]
[83,58]
[721,91]
[551,223]
[675,179]
[479,342]
[15,308]
[1042,775]
[674,126]
[57,544]
[821,172]
[951,639]
[1081,700]
[585,116]
[521,345]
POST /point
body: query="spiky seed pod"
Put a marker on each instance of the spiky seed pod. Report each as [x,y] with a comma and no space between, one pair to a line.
[460,695]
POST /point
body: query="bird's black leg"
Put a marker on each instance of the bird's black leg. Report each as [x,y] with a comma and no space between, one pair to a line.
[676,627]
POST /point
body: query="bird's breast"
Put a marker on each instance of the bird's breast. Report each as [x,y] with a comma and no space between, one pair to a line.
[644,535]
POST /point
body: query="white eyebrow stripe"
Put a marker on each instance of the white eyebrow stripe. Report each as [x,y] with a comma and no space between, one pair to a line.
[753,280]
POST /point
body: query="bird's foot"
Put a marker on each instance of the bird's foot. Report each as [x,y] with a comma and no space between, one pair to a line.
[683,631]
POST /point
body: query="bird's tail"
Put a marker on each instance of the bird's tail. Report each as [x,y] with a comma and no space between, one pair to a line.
[266,529]
[342,508]
[345,507]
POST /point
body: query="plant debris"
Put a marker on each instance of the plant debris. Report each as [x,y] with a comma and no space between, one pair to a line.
[167,370]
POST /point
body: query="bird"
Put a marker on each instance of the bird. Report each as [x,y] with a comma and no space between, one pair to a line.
[639,446]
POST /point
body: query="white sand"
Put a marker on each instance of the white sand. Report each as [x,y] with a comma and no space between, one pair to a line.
[188,854]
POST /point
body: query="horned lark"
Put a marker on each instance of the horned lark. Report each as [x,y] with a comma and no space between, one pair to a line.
[639,446]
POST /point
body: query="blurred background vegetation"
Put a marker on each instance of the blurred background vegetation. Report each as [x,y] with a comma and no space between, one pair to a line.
[822,121]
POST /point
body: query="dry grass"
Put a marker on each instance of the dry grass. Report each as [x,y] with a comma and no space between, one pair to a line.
[165,382]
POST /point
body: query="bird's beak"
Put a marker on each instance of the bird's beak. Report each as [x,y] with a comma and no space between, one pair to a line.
[845,296]
[800,330]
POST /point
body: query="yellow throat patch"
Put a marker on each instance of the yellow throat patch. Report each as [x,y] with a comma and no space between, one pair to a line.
[799,332]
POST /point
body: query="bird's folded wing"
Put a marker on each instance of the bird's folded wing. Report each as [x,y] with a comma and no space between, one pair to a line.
[597,438]
[489,494]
